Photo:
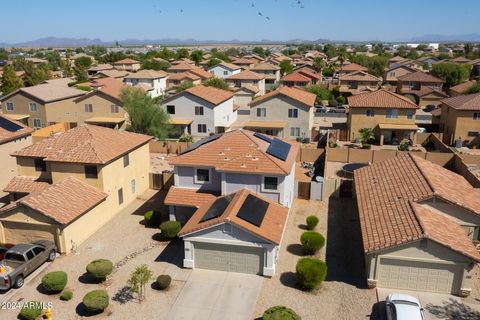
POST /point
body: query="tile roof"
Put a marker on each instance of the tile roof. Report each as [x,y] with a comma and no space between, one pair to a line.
[24,184]
[296,77]
[183,75]
[109,86]
[147,74]
[424,91]
[227,65]
[297,94]
[100,67]
[359,76]
[309,74]
[48,92]
[85,144]
[420,76]
[126,61]
[461,60]
[460,88]
[246,75]
[238,151]
[464,102]
[113,73]
[381,99]
[271,228]
[188,197]
[239,61]
[181,66]
[265,66]
[210,94]
[201,73]
[354,67]
[8,134]
[248,87]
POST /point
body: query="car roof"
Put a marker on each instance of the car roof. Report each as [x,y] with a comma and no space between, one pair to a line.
[407,312]
[404,297]
[21,248]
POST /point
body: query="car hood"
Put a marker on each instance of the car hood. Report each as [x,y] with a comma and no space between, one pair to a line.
[408,312]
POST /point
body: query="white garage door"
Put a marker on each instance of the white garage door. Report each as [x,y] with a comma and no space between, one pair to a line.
[228,258]
[420,276]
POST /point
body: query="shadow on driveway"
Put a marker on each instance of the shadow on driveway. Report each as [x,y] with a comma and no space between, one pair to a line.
[453,309]
[173,253]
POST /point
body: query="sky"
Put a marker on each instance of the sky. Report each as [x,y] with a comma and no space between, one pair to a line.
[354,20]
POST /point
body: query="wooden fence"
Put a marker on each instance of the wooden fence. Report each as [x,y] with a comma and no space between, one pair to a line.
[168,147]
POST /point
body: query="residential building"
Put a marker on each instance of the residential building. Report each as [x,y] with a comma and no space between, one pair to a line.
[286,112]
[357,82]
[153,82]
[247,78]
[296,79]
[73,183]
[417,221]
[176,79]
[271,72]
[117,74]
[224,70]
[461,88]
[425,88]
[350,68]
[391,74]
[243,62]
[127,64]
[99,67]
[390,116]
[243,96]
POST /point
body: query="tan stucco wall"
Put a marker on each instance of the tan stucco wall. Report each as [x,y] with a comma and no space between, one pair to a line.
[458,123]
[26,167]
[61,171]
[8,164]
[21,106]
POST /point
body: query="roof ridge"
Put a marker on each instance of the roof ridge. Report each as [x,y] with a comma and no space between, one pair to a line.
[420,222]
[429,182]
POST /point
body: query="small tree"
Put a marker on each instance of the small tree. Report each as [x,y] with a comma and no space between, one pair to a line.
[138,281]
[197,56]
[366,136]
[183,86]
[10,81]
[185,137]
[217,83]
[286,67]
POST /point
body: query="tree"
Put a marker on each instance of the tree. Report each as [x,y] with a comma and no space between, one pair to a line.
[366,135]
[83,62]
[9,81]
[182,53]
[452,73]
[146,116]
[3,54]
[217,83]
[322,92]
[197,56]
[260,52]
[81,74]
[183,86]
[138,281]
[213,62]
[319,64]
[36,74]
[155,65]
[286,67]
[473,89]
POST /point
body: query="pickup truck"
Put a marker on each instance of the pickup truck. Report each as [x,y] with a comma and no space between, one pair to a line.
[23,259]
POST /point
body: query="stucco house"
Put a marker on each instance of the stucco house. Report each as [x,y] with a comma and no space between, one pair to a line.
[247,78]
[425,88]
[417,222]
[153,82]
[224,70]
[177,79]
[271,72]
[392,73]
[357,82]
[127,64]
[350,68]
[73,183]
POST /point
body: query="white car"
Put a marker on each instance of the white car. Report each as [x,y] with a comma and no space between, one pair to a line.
[403,307]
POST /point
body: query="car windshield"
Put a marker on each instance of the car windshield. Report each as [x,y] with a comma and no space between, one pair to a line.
[410,303]
[14,257]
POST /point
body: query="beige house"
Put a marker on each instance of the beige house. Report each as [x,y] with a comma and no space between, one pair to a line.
[392,73]
[350,68]
[177,79]
[73,183]
[127,64]
[286,112]
[390,116]
[425,88]
[247,78]
[418,221]
[460,88]
[271,73]
[357,82]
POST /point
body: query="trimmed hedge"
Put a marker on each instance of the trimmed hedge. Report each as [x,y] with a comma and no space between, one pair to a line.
[66,295]
[170,229]
[310,272]
[312,241]
[280,313]
[152,218]
[312,222]
[96,300]
[31,310]
[54,281]
[100,268]
[163,281]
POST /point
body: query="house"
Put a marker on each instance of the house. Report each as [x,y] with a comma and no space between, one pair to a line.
[127,64]
[425,88]
[191,69]
[286,112]
[255,58]
[243,96]
[417,221]
[460,60]
[224,70]
[395,61]
[296,79]
[356,82]
[177,79]
[390,116]
[247,78]
[32,104]
[350,68]
[391,74]
[118,74]
[243,62]
[271,72]
[460,118]
[201,111]
[99,67]
[461,88]
[36,61]
[153,82]
[429,61]
[73,183]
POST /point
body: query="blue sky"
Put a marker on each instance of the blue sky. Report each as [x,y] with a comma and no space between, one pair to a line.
[23,20]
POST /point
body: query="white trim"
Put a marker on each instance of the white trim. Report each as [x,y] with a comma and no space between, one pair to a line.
[269,190]
[196,181]
[11,103]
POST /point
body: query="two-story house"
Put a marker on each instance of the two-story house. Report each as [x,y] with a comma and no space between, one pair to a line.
[390,116]
[73,183]
[201,110]
[224,70]
[350,68]
[247,78]
[425,88]
[286,112]
[271,73]
[392,73]
[357,82]
[127,64]
[243,62]
[153,82]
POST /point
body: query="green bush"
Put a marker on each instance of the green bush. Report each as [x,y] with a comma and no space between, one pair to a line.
[310,272]
[31,310]
[152,218]
[96,300]
[54,281]
[366,146]
[100,269]
[280,313]
[66,295]
[170,229]
[341,100]
[403,147]
[312,241]
[312,222]
[163,281]
[332,103]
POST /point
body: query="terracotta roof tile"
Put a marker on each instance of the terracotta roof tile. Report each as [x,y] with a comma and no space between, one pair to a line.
[246,75]
[381,99]
[264,66]
[466,102]
[48,92]
[359,76]
[354,67]
[126,61]
[210,94]
[295,77]
[188,197]
[147,74]
[183,75]
[227,65]
[460,88]
[24,184]
[7,133]
[297,94]
[309,74]
[420,76]
[201,73]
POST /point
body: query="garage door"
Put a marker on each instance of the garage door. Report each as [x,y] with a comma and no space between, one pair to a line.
[420,276]
[228,258]
[17,232]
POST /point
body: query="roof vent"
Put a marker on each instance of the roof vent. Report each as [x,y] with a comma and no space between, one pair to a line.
[227,149]
[254,158]
[248,155]
[226,158]
[221,153]
[243,165]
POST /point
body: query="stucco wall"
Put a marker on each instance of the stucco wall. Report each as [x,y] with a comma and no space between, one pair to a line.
[21,102]
[185,178]
[8,164]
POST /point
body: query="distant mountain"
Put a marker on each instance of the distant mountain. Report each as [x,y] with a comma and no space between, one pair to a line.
[473,37]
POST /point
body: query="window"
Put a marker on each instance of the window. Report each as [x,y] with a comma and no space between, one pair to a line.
[476,116]
[293,113]
[30,255]
[202,128]
[114,108]
[91,172]
[37,123]
[261,112]
[88,107]
[9,106]
[40,165]
[392,113]
[270,183]
[33,107]
[295,132]
[202,176]
[38,250]
[199,111]
[171,109]
[133,186]
[370,113]
[227,228]
[225,73]
[392,74]
[473,133]
[120,196]
[126,160]
[410,114]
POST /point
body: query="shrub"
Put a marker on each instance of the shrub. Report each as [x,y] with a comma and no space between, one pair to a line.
[152,218]
[312,241]
[54,281]
[341,100]
[170,228]
[280,313]
[100,269]
[310,272]
[403,147]
[96,300]
[66,295]
[366,146]
[163,281]
[332,103]
[31,310]
[312,222]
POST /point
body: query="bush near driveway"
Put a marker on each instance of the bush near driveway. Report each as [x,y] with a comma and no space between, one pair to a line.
[170,229]
[31,311]
[312,241]
[152,218]
[55,281]
[100,269]
[312,222]
[310,272]
[96,300]
[163,281]
[280,313]
[66,295]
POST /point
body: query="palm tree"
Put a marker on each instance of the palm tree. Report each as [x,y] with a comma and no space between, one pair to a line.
[366,135]
[318,64]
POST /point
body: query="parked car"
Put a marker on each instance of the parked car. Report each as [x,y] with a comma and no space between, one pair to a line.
[321,110]
[403,307]
[4,248]
[430,108]
[22,259]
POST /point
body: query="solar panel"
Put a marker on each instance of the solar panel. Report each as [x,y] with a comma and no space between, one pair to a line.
[217,208]
[9,125]
[201,142]
[279,149]
[263,137]
[253,210]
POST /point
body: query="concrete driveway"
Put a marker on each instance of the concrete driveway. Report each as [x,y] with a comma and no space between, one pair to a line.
[216,295]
